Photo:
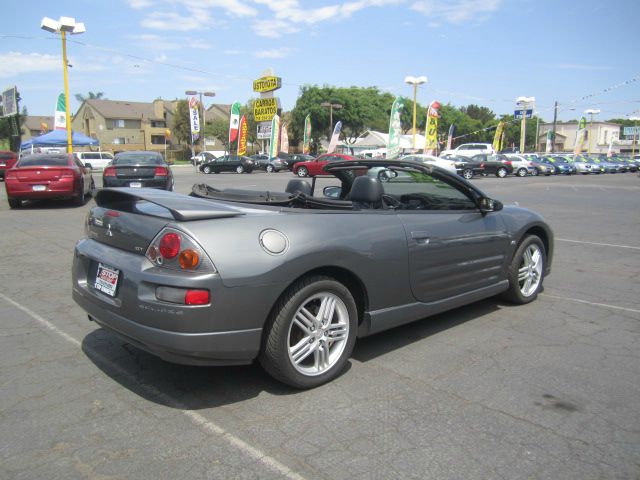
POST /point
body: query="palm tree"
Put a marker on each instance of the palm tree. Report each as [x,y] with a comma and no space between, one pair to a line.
[92,96]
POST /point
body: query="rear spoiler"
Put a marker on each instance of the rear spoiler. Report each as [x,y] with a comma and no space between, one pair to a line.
[181,207]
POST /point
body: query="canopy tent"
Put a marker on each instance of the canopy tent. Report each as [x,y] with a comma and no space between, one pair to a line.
[58,138]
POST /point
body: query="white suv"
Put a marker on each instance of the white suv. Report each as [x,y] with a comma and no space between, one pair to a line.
[469,150]
[95,159]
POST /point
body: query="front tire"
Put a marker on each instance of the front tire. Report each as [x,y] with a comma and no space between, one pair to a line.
[206,169]
[522,172]
[526,271]
[270,169]
[302,172]
[535,172]
[311,333]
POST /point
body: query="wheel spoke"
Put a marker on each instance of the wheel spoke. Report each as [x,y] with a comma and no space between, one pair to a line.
[522,273]
[302,350]
[527,257]
[321,356]
[304,319]
[527,286]
[327,308]
[337,332]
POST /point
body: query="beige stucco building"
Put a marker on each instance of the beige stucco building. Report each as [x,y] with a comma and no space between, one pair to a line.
[121,125]
[599,135]
[36,125]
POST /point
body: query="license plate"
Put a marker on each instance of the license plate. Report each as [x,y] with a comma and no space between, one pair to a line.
[106,279]
[135,185]
[39,188]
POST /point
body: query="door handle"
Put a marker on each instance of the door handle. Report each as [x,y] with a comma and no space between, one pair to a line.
[421,238]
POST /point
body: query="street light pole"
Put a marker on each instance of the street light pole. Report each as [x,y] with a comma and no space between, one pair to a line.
[63,26]
[591,112]
[415,81]
[555,119]
[524,102]
[635,129]
[331,106]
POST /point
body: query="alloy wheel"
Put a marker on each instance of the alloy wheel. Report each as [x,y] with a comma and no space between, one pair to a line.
[530,271]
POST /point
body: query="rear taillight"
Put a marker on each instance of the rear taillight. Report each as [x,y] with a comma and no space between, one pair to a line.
[508,162]
[109,172]
[196,297]
[161,171]
[174,249]
[170,245]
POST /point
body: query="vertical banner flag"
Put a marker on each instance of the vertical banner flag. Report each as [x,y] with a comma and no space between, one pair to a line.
[334,138]
[497,138]
[284,139]
[275,137]
[234,121]
[395,129]
[610,150]
[431,140]
[452,132]
[194,118]
[549,141]
[60,117]
[580,135]
[306,142]
[244,131]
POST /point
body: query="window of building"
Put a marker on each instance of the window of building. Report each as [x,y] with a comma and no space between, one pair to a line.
[157,139]
[120,140]
[118,123]
[158,123]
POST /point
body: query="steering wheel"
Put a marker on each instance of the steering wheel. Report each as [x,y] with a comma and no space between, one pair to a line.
[391,201]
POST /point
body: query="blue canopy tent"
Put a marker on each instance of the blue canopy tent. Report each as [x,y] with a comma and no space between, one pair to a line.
[58,138]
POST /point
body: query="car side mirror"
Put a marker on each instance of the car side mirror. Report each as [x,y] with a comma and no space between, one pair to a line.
[332,192]
[488,205]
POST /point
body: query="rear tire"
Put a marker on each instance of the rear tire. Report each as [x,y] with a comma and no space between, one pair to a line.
[80,199]
[239,169]
[14,202]
[526,271]
[502,172]
[522,172]
[311,333]
[467,173]
[270,169]
[535,172]
[206,169]
[302,172]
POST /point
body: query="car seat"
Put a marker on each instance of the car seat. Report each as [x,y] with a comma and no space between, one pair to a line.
[298,185]
[366,193]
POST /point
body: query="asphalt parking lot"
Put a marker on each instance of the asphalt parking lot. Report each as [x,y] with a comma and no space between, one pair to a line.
[549,390]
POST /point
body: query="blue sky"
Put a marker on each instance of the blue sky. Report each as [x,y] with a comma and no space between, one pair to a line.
[486,52]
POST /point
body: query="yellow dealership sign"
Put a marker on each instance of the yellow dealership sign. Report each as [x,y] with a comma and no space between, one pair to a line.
[267,84]
[264,109]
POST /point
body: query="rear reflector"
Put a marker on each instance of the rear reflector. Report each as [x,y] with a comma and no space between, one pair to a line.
[196,297]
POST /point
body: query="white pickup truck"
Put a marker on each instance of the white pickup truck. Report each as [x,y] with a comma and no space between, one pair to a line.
[469,150]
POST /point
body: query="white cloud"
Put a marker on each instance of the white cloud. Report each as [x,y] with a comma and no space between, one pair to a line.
[174,21]
[140,4]
[456,11]
[16,63]
[274,53]
[273,28]
[291,10]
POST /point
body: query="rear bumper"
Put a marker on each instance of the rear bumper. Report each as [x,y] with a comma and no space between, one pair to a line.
[53,190]
[108,182]
[212,348]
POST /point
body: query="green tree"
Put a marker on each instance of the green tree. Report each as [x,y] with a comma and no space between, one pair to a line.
[181,128]
[90,96]
[219,129]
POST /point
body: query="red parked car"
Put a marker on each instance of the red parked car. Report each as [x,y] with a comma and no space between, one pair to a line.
[43,176]
[7,160]
[315,167]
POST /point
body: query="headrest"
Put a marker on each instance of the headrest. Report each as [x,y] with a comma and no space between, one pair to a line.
[298,185]
[366,189]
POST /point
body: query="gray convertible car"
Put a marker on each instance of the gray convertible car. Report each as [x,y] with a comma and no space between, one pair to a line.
[223,277]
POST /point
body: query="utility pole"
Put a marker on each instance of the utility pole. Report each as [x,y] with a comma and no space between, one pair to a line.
[555,119]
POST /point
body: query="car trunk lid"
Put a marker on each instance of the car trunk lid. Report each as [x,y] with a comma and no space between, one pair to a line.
[130,218]
[125,172]
[42,174]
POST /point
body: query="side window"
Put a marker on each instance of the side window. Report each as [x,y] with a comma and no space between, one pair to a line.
[421,191]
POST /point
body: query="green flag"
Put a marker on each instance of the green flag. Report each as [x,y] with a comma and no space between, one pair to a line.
[395,130]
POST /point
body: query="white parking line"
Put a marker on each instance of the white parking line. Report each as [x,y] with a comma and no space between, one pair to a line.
[198,419]
[598,244]
[594,304]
